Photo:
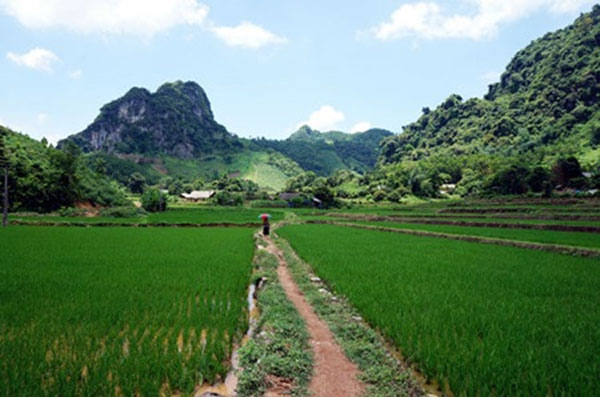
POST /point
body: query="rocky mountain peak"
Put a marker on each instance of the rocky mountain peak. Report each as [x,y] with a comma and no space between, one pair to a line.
[176,120]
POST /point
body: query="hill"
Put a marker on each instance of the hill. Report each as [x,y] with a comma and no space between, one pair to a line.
[42,178]
[546,104]
[326,152]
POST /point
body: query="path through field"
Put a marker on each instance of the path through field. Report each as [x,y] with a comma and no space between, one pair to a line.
[334,375]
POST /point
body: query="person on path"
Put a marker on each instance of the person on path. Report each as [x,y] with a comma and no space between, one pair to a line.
[265,223]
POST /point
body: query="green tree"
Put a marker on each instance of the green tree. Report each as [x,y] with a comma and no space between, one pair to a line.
[4,171]
[565,171]
[136,183]
[154,201]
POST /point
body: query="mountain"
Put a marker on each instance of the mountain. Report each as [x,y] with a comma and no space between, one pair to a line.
[546,105]
[173,132]
[326,152]
[176,120]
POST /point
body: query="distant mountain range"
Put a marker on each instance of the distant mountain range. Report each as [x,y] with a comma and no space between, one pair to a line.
[545,106]
[173,132]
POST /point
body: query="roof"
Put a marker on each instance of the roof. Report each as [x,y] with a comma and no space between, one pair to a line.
[198,194]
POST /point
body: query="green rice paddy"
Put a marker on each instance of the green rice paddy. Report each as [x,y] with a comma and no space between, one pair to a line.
[109,311]
[478,319]
[577,239]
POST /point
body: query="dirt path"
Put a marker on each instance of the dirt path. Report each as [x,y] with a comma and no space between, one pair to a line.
[334,375]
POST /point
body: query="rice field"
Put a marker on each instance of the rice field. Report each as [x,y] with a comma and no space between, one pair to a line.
[119,311]
[477,319]
[173,216]
[576,239]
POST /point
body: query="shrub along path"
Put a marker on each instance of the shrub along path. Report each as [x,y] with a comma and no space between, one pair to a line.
[334,375]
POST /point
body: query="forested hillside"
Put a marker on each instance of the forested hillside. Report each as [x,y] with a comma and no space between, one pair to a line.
[545,107]
[546,103]
[326,152]
[42,178]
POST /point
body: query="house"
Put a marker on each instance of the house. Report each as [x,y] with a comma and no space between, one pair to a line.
[198,195]
[447,188]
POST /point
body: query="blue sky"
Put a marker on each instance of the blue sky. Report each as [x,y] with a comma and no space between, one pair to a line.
[267,65]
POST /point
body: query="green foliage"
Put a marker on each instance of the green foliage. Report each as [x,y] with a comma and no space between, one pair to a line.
[324,153]
[228,198]
[122,212]
[137,183]
[103,311]
[268,204]
[566,172]
[280,347]
[486,319]
[546,106]
[154,200]
[44,179]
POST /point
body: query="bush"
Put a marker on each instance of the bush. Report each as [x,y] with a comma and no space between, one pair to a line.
[268,204]
[228,198]
[122,212]
[72,211]
[154,201]
[379,195]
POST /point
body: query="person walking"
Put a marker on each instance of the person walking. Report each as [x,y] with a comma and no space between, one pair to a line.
[265,223]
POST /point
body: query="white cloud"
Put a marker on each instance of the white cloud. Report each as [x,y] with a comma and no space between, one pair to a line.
[37,58]
[324,119]
[247,35]
[138,17]
[75,74]
[360,127]
[41,118]
[428,20]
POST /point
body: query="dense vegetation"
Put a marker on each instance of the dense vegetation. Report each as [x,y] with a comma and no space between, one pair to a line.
[485,319]
[116,311]
[325,153]
[545,107]
[42,178]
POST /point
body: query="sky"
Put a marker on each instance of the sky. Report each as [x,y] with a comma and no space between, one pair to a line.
[267,66]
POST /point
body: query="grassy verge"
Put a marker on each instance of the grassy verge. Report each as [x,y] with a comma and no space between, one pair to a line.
[578,239]
[383,374]
[278,357]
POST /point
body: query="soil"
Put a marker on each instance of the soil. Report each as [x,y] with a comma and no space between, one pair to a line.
[334,375]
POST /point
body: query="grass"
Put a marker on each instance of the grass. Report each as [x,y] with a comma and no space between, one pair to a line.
[383,374]
[102,311]
[577,239]
[280,347]
[481,319]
